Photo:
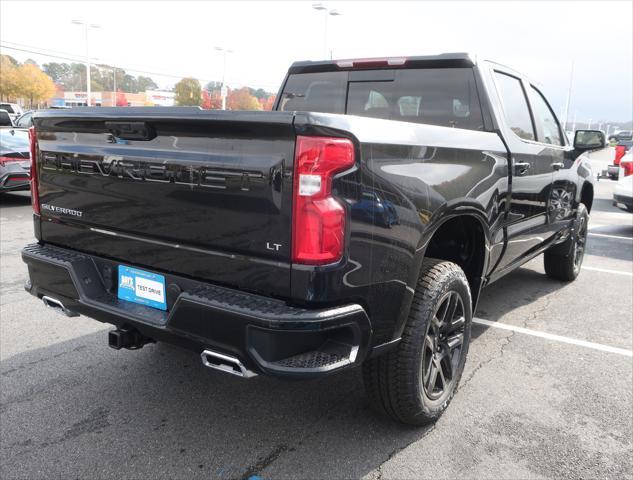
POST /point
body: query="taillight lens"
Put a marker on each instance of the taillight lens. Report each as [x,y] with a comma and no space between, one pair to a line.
[35,195]
[620,150]
[627,168]
[318,233]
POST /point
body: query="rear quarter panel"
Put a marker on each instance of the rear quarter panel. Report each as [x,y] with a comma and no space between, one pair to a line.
[421,174]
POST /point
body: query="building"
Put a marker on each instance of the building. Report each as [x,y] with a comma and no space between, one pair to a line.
[150,98]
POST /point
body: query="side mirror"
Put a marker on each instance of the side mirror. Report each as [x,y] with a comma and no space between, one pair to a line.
[585,140]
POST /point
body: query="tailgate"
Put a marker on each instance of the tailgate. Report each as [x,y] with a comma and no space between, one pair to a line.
[198,193]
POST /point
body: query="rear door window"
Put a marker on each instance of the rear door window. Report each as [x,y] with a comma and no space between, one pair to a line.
[515,106]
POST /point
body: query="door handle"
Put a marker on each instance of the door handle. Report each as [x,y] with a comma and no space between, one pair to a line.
[558,165]
[521,168]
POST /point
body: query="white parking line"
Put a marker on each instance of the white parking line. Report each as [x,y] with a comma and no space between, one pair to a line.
[556,338]
[610,236]
[606,270]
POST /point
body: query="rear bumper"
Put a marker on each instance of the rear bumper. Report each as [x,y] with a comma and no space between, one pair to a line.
[266,335]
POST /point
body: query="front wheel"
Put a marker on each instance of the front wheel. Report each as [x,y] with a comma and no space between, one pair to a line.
[563,261]
[415,382]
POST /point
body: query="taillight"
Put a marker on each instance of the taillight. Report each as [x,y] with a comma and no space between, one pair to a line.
[35,195]
[318,219]
[620,150]
[627,168]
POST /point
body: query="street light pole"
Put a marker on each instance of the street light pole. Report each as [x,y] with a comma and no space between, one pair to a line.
[86,27]
[223,89]
[114,82]
[571,78]
[328,12]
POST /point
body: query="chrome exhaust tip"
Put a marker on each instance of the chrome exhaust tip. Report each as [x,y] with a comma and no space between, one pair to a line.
[58,306]
[226,364]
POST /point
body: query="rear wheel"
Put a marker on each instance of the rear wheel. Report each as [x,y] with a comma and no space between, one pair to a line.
[563,262]
[415,382]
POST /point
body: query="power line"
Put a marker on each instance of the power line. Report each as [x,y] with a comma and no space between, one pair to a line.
[70,57]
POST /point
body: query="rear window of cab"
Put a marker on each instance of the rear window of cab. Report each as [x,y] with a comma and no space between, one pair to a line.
[445,97]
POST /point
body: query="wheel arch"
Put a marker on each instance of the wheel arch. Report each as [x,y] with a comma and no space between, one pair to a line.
[464,239]
[586,195]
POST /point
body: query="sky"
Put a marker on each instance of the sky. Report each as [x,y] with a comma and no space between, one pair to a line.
[178,38]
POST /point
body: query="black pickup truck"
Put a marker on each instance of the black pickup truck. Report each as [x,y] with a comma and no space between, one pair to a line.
[355,224]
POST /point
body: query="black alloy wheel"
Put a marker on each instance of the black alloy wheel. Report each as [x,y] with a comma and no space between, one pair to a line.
[443,346]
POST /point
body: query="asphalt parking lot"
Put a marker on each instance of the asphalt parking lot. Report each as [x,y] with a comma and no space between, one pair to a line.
[534,401]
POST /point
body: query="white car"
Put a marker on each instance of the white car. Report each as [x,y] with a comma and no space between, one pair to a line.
[623,194]
[13,109]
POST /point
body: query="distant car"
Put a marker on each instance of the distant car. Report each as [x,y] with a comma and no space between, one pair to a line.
[15,160]
[25,120]
[621,135]
[13,109]
[623,194]
[5,119]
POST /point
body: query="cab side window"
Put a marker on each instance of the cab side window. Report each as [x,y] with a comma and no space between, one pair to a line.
[546,124]
[515,106]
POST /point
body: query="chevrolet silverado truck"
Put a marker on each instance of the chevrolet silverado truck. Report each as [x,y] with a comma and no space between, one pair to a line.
[355,224]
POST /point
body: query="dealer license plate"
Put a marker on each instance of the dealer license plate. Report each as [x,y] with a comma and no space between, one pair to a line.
[142,287]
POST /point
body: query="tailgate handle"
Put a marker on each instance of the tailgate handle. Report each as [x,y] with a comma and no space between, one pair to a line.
[131,130]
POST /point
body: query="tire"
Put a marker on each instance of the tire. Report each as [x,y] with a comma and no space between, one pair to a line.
[563,261]
[399,383]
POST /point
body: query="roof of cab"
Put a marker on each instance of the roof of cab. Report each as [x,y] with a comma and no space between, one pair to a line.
[444,60]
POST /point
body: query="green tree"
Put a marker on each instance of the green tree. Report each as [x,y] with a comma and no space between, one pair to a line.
[260,93]
[59,72]
[146,83]
[213,86]
[188,92]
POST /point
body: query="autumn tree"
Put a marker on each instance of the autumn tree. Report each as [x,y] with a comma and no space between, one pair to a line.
[9,78]
[269,102]
[242,100]
[188,92]
[211,100]
[35,84]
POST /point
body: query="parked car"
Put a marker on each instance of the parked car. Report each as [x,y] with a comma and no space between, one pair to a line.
[25,120]
[621,149]
[15,161]
[13,109]
[232,233]
[623,194]
[621,135]
[5,119]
